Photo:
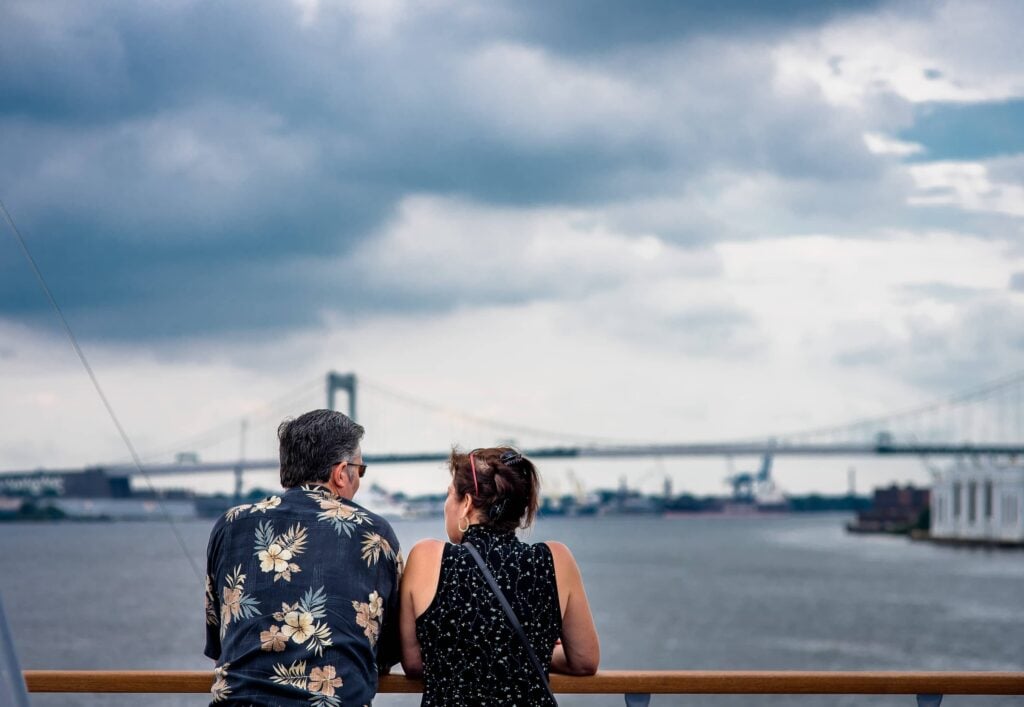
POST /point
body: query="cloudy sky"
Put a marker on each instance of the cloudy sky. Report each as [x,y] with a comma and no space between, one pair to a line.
[614,221]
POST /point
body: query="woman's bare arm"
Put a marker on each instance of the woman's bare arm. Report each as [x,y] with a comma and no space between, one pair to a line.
[419,583]
[580,650]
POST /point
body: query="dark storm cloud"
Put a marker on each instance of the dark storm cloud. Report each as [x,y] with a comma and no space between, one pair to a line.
[168,161]
[585,26]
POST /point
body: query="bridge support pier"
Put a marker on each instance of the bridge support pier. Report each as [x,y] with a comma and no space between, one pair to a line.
[346,382]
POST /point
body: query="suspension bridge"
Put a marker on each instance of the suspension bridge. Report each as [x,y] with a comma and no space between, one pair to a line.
[987,421]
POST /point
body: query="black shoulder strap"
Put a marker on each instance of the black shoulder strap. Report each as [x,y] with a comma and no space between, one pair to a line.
[512,618]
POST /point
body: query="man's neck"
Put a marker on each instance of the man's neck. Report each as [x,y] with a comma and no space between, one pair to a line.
[330,488]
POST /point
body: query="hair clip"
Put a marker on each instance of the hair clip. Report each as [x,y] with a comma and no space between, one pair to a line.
[510,458]
[495,511]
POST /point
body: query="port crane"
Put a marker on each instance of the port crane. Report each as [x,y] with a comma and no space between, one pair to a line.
[747,485]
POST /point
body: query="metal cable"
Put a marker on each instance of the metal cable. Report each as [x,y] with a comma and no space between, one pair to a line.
[99,390]
[222,431]
[964,398]
[488,422]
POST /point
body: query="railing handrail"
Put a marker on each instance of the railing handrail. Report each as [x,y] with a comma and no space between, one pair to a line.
[736,682]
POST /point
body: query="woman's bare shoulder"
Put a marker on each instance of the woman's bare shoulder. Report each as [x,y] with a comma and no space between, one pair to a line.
[425,552]
[562,557]
[560,551]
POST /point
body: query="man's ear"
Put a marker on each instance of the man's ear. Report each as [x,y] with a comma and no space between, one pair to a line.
[339,476]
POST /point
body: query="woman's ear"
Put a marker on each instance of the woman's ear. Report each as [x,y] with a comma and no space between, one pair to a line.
[466,506]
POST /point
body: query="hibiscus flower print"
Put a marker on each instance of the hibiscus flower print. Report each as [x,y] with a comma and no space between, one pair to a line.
[266,504]
[299,621]
[236,603]
[274,558]
[220,689]
[324,680]
[321,683]
[376,605]
[368,615]
[230,606]
[273,639]
[277,552]
[363,618]
[298,625]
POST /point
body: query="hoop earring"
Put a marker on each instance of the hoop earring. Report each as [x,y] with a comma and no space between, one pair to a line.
[461,529]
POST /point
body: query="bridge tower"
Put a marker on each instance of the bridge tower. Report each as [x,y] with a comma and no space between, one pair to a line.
[342,381]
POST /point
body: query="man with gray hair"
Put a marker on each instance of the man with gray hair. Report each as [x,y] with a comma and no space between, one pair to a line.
[302,587]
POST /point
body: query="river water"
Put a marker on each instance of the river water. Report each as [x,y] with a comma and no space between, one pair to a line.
[699,592]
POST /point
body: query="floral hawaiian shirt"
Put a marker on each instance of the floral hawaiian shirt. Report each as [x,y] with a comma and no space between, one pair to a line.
[301,601]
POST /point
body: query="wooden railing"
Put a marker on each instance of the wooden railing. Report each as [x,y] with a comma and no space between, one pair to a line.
[637,685]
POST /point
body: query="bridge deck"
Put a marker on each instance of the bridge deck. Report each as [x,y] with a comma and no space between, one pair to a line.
[591,452]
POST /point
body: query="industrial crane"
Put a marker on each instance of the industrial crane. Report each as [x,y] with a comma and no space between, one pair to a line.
[747,485]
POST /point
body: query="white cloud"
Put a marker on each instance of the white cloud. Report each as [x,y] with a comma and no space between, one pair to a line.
[451,249]
[965,185]
[884,145]
[827,301]
[959,51]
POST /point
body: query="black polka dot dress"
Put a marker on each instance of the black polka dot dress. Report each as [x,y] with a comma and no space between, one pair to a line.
[471,655]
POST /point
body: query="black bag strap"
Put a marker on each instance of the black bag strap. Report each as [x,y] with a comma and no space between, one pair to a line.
[512,618]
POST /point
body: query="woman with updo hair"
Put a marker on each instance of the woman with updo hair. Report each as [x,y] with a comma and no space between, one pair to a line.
[455,631]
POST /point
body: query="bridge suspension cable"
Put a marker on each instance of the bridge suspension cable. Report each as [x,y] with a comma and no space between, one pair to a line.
[498,425]
[1007,390]
[923,416]
[228,429]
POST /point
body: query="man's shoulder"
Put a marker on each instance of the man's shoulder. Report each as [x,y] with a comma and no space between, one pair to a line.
[244,511]
[242,519]
[308,506]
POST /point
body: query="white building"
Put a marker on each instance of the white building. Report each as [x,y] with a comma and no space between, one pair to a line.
[975,500]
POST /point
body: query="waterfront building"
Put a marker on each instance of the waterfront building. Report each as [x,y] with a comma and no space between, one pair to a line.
[893,509]
[91,494]
[979,502]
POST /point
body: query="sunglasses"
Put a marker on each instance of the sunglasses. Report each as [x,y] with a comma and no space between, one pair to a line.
[362,467]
